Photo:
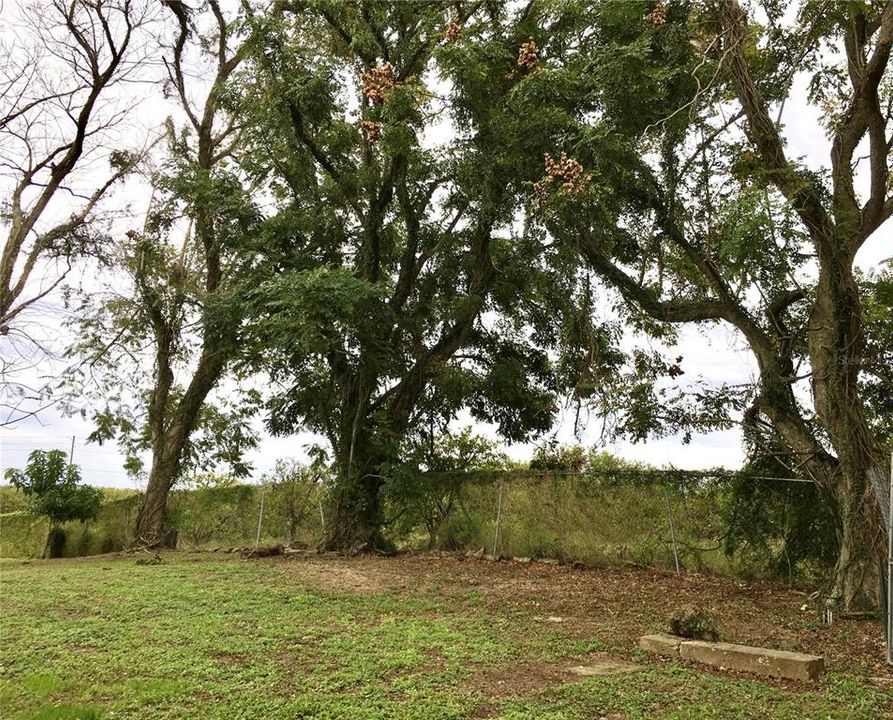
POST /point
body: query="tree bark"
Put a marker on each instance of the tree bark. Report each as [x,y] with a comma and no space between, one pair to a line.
[355,524]
[170,432]
[835,333]
[355,519]
[836,344]
[151,517]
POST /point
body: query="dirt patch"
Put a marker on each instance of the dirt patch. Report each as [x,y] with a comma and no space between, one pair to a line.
[514,680]
[231,658]
[351,577]
[615,605]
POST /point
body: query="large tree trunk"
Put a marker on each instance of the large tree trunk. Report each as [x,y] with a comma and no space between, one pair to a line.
[836,343]
[355,518]
[856,573]
[170,433]
[150,530]
[355,521]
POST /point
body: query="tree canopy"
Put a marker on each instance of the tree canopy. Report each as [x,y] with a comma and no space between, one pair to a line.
[400,215]
[53,489]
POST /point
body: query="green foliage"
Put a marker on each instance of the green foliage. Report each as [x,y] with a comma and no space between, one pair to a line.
[212,510]
[876,374]
[53,488]
[693,622]
[296,495]
[11,499]
[562,458]
[24,535]
[427,487]
[222,435]
[788,528]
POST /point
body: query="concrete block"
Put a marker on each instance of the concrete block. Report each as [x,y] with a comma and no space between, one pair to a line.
[662,644]
[762,661]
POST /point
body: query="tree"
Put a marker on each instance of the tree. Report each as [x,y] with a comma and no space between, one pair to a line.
[295,492]
[393,286]
[185,269]
[53,488]
[693,211]
[427,485]
[61,106]
[221,435]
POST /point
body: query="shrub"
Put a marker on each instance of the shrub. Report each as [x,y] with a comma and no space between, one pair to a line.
[695,623]
[53,488]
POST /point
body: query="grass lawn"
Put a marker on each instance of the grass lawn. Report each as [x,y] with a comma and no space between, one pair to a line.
[210,636]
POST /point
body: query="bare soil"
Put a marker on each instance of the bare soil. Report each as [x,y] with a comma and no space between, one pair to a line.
[614,605]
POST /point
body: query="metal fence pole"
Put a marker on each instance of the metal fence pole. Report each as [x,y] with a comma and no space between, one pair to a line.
[890,569]
[260,517]
[498,518]
[672,529]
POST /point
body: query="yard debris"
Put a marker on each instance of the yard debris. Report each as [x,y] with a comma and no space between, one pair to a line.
[259,552]
[297,551]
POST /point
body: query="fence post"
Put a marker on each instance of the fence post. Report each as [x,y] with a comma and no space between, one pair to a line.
[260,517]
[498,517]
[890,569]
[672,529]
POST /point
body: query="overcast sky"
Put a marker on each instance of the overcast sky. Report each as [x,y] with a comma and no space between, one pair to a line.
[718,356]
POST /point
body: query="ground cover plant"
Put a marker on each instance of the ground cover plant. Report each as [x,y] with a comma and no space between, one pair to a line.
[205,636]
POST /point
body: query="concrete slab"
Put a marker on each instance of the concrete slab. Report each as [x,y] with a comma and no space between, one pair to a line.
[763,661]
[603,667]
[662,644]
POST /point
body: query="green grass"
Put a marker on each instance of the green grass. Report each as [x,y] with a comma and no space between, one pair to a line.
[197,637]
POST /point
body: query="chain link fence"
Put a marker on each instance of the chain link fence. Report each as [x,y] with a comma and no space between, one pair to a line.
[726,523]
